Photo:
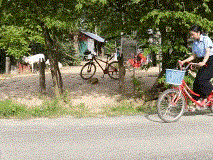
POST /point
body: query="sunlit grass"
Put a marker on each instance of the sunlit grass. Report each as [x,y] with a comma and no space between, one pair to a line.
[58,108]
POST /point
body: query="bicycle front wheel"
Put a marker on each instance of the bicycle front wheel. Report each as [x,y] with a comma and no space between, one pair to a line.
[88,70]
[171,105]
[113,70]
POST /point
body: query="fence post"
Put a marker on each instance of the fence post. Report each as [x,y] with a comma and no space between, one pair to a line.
[42,84]
[128,50]
[8,65]
[121,74]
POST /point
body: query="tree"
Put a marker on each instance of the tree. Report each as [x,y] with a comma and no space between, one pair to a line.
[114,17]
[173,19]
[48,18]
[16,40]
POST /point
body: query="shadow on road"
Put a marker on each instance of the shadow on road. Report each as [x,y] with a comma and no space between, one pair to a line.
[153,117]
[207,113]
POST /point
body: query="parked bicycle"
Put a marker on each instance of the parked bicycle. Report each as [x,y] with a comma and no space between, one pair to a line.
[111,68]
[173,102]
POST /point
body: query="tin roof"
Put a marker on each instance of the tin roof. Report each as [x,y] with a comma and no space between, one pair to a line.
[93,36]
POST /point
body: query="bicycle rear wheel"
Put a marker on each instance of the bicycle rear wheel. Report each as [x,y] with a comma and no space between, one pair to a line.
[171,105]
[113,70]
[88,70]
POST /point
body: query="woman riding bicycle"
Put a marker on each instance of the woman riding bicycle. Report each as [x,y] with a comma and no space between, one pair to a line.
[202,49]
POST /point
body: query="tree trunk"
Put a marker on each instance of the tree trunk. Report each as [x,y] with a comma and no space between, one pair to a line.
[165,55]
[42,76]
[153,92]
[52,55]
[75,41]
[53,58]
[56,75]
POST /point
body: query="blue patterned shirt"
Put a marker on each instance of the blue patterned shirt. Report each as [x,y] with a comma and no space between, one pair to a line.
[199,46]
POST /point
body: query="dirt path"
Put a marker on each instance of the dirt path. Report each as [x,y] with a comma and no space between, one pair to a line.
[25,88]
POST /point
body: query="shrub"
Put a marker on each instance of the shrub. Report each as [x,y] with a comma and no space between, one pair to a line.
[68,56]
[8,109]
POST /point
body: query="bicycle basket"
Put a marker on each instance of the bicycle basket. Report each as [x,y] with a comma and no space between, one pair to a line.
[174,76]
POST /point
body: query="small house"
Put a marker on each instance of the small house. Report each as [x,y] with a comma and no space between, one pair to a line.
[91,42]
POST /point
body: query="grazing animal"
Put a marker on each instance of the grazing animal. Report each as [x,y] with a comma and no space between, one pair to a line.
[34,59]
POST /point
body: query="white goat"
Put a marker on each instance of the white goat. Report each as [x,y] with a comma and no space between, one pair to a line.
[48,63]
[33,59]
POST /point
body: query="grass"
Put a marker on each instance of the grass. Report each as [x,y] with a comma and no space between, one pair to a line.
[59,108]
[126,108]
[50,109]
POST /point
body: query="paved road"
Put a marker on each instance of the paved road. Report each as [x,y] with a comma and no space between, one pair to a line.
[135,137]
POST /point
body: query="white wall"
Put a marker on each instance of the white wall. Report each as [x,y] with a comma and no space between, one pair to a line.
[91,45]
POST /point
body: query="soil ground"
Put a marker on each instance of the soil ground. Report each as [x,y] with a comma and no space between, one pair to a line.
[25,88]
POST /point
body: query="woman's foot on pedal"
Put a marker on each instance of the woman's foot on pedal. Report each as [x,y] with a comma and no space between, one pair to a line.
[194,107]
[203,103]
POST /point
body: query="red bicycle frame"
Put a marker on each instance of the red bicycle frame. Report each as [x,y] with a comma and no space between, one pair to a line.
[187,92]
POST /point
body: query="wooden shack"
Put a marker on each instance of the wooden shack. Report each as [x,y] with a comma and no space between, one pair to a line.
[90,41]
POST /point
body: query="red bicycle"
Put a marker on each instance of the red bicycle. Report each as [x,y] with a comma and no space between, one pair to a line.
[173,102]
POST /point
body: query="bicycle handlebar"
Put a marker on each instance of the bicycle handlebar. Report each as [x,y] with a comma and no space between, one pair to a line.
[190,64]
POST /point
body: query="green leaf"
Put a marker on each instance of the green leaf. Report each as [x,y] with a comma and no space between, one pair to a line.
[136,1]
[79,6]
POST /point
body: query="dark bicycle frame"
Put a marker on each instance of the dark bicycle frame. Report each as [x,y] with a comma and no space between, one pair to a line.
[94,58]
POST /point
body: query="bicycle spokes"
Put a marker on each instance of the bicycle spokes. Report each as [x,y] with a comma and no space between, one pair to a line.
[113,70]
[88,70]
[171,105]
[174,99]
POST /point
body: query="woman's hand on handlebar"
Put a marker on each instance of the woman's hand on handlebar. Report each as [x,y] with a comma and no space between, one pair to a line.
[190,64]
[193,66]
[200,64]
